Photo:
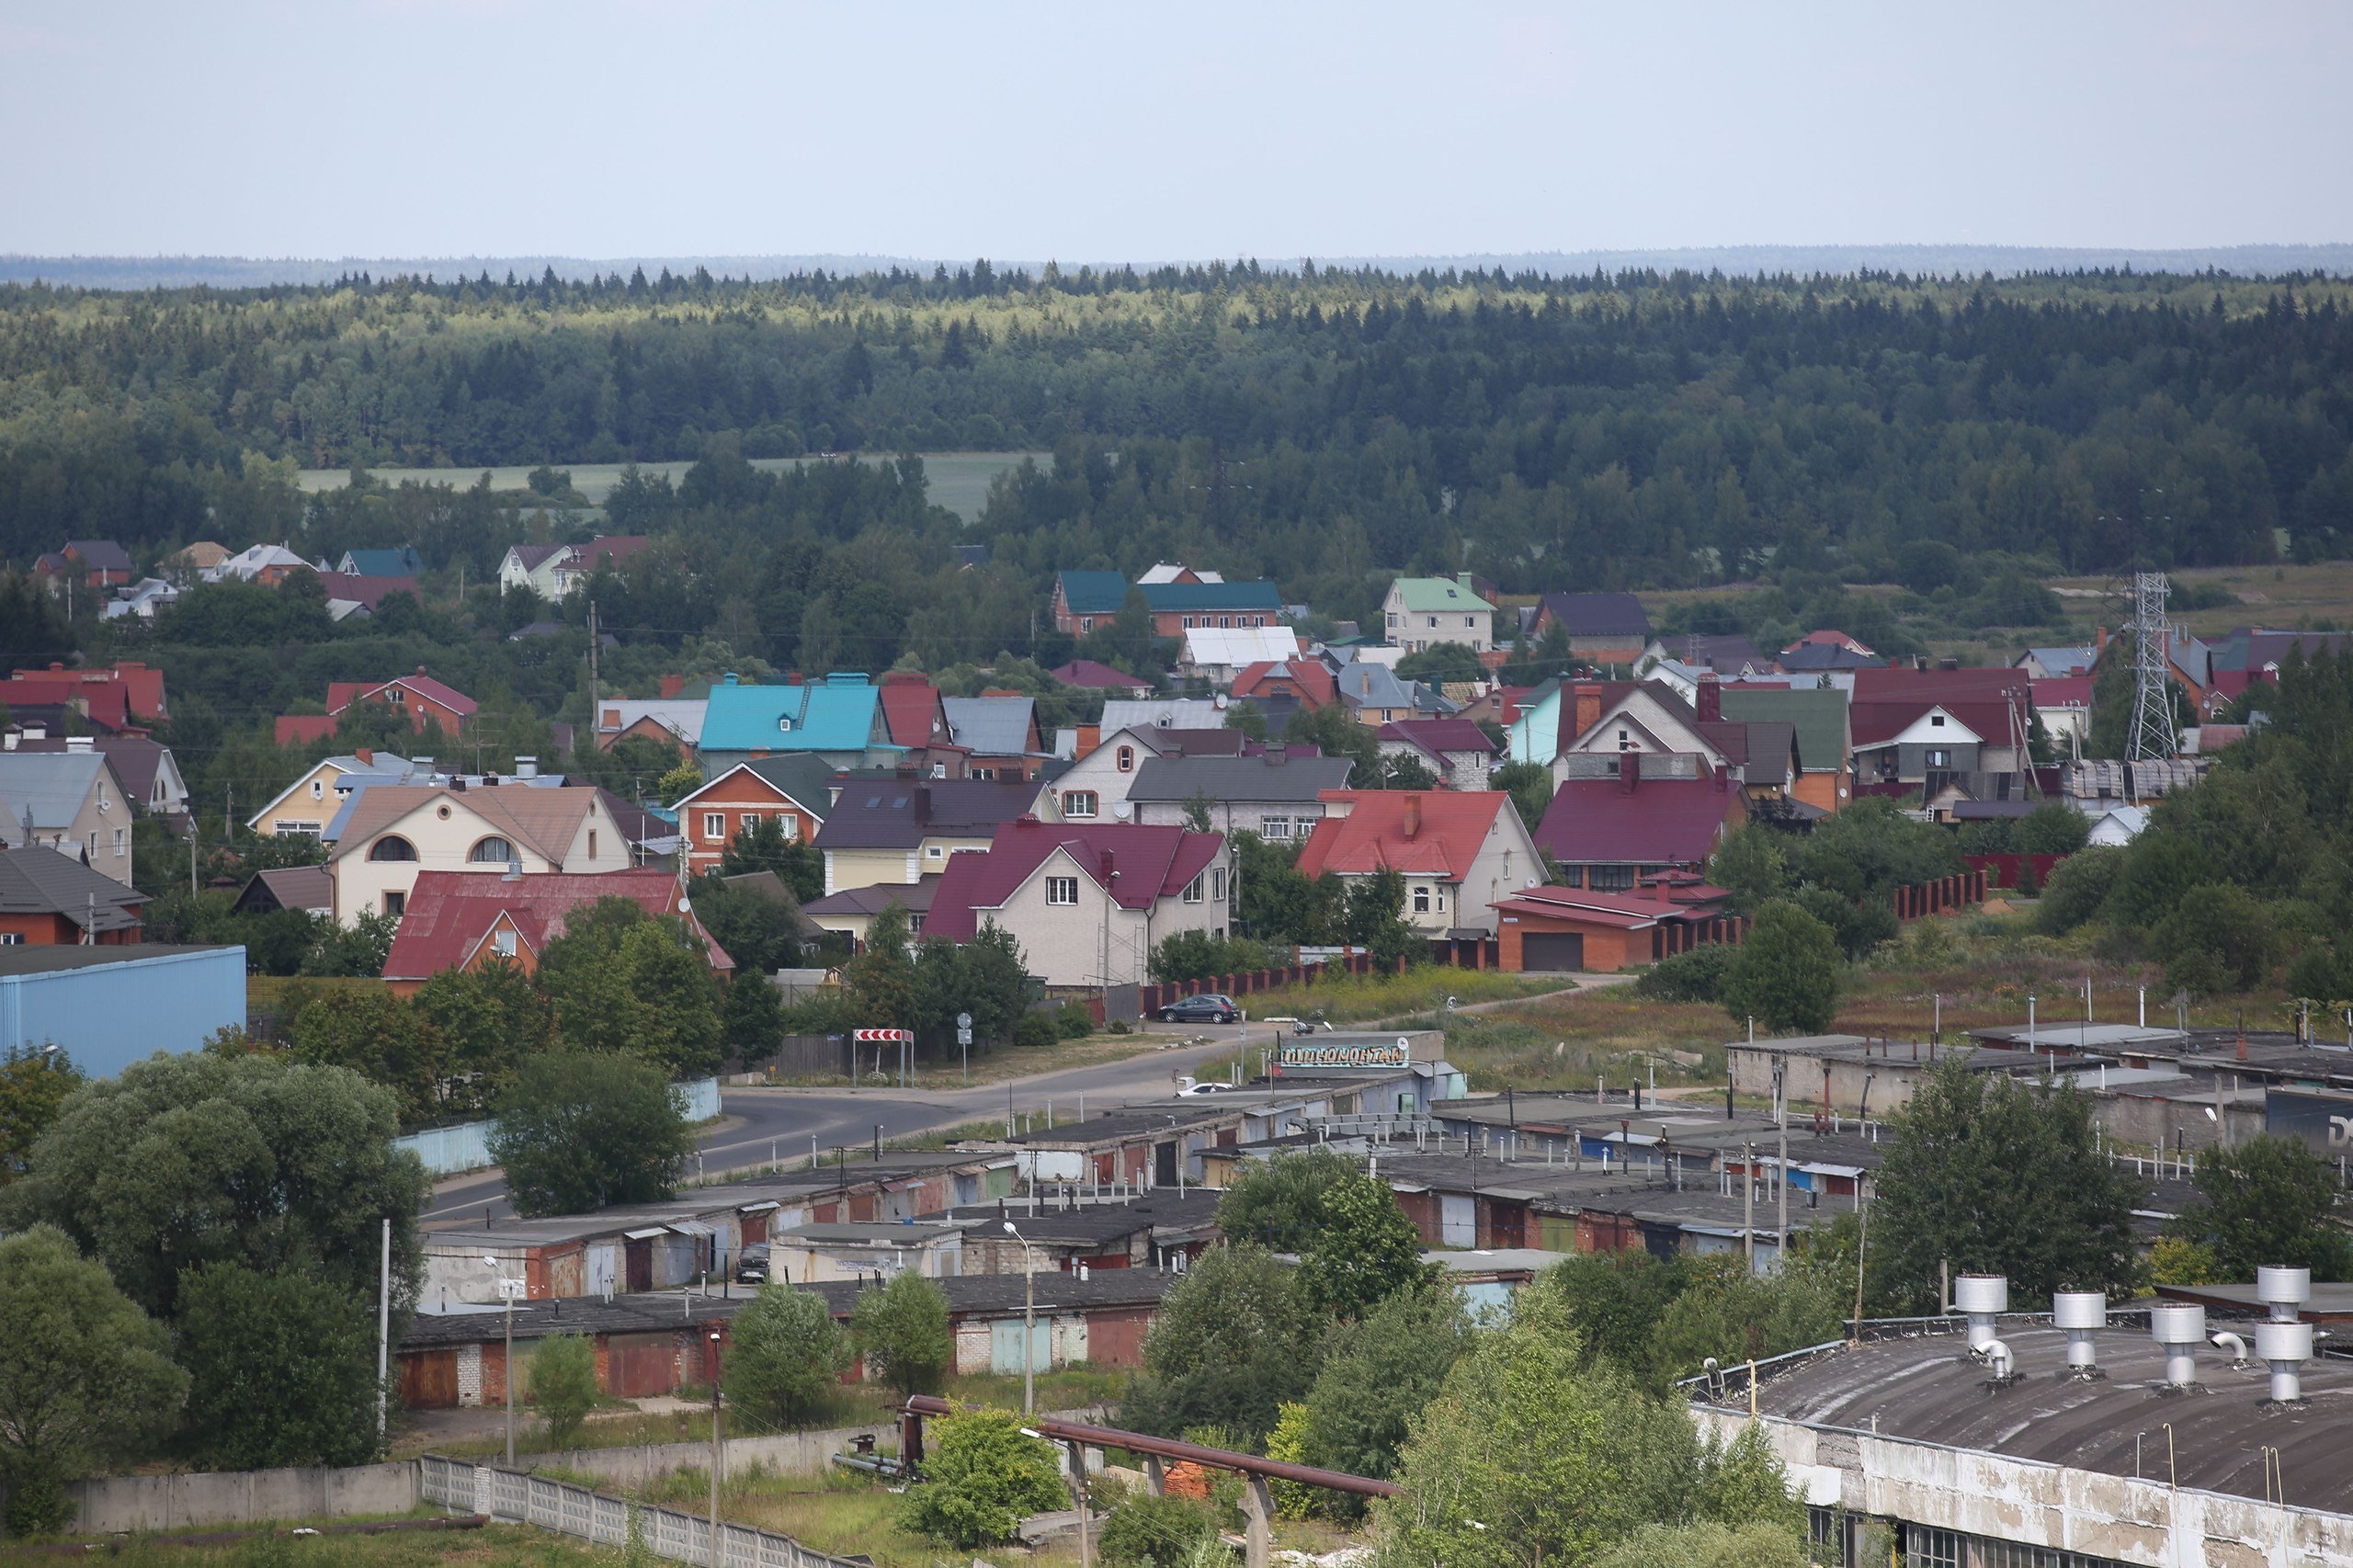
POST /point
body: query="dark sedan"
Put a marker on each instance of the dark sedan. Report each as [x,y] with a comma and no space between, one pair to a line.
[1207,1008]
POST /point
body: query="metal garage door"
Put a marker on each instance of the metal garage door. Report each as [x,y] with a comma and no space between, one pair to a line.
[1552,951]
[638,1364]
[1457,1221]
[1004,1346]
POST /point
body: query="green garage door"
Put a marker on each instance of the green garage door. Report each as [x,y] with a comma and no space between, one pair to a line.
[1549,950]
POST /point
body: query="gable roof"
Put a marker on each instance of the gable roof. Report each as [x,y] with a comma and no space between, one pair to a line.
[136,758]
[607,550]
[1420,832]
[1624,911]
[681,716]
[1163,713]
[545,819]
[805,780]
[364,590]
[912,711]
[1362,685]
[1597,615]
[1422,594]
[1144,865]
[1440,736]
[451,913]
[914,897]
[899,813]
[1810,656]
[1818,718]
[1294,780]
[289,886]
[1092,675]
[402,561]
[1887,702]
[529,556]
[1312,677]
[1660,821]
[53,786]
[99,554]
[44,881]
[1102,593]
[835,714]
[993,726]
[1235,646]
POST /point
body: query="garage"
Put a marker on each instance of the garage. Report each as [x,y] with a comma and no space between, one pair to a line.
[1549,951]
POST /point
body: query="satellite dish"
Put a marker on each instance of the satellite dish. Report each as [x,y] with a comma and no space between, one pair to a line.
[1124,810]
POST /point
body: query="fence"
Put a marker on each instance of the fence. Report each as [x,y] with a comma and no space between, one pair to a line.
[1945,894]
[1669,937]
[113,1505]
[2009,870]
[466,1147]
[1152,998]
[598,1516]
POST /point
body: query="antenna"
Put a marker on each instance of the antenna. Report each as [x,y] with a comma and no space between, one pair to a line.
[2152,731]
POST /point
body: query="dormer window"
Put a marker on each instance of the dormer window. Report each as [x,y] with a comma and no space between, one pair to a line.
[785,724]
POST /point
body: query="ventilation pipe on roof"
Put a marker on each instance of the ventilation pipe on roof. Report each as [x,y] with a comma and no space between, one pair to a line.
[2287,1347]
[1982,1299]
[2284,1290]
[1997,1358]
[2079,1314]
[2233,1344]
[2180,1329]
[527,768]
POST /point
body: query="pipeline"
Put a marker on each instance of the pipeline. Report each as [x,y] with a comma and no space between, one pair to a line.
[922,1405]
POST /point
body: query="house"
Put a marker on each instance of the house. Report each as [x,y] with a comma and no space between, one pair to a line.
[1164,714]
[141,600]
[896,829]
[672,721]
[148,774]
[95,563]
[70,800]
[1277,793]
[1602,628]
[310,888]
[1175,572]
[2063,705]
[1730,655]
[552,571]
[1217,654]
[1374,696]
[46,699]
[997,730]
[349,595]
[1423,612]
[1307,684]
[465,920]
[1658,812]
[1095,786]
[269,564]
[1092,675]
[48,898]
[1084,600]
[795,789]
[192,561]
[2118,826]
[311,802]
[2241,660]
[913,714]
[1909,724]
[107,1007]
[838,719]
[1087,903]
[142,687]
[1576,929]
[2059,663]
[396,832]
[1458,852]
[418,698]
[1456,750]
[851,912]
[402,561]
[1817,720]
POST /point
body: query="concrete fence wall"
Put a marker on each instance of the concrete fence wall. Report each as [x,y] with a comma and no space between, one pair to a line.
[447,1151]
[239,1497]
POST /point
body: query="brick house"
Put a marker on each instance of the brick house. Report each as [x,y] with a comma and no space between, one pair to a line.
[465,921]
[50,898]
[1458,851]
[794,790]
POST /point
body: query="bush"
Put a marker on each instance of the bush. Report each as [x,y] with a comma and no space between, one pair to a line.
[1695,976]
[784,1355]
[982,1479]
[902,1331]
[1035,1030]
[1073,1022]
[564,1385]
[1157,1532]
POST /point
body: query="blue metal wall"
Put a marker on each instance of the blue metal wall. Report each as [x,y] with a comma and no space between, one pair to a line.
[108,1016]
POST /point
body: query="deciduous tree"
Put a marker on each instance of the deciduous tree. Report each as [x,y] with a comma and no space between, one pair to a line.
[281,1367]
[1786,976]
[901,1332]
[579,1131]
[785,1355]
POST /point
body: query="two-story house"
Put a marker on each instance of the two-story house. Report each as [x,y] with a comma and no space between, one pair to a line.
[839,718]
[1087,903]
[1602,628]
[797,791]
[48,898]
[69,800]
[1423,612]
[1458,852]
[896,829]
[1095,786]
[396,831]
[1277,793]
[552,571]
[1911,726]
[455,921]
[1085,600]
[1456,750]
[1652,812]
[418,698]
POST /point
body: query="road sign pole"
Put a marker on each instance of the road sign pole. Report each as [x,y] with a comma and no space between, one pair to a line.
[964,1043]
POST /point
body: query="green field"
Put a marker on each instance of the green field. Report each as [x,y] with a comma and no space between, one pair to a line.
[959,480]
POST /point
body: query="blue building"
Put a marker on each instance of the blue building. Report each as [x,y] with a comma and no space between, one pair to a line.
[838,720]
[108,1008]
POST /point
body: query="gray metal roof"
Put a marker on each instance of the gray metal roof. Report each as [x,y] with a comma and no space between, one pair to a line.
[1163,713]
[41,881]
[991,726]
[1295,781]
[53,786]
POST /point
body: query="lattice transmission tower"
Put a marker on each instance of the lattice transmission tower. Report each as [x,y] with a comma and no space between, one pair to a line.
[2152,731]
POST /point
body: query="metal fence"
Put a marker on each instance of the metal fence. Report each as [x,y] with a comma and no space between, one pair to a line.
[598,1516]
[446,1151]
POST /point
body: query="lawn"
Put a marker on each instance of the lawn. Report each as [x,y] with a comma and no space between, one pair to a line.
[1363,999]
[493,1546]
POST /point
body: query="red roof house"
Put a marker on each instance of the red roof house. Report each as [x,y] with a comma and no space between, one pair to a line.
[1606,834]
[418,695]
[368,591]
[465,920]
[1458,851]
[144,686]
[912,710]
[106,704]
[1093,675]
[1560,929]
[1078,896]
[1309,682]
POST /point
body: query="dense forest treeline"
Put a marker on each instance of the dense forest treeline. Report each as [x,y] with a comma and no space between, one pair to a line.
[1317,426]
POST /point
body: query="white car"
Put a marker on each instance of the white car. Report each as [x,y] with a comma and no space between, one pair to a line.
[1204,1088]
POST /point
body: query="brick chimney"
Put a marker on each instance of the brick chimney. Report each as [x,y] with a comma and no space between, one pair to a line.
[1711,698]
[1629,771]
[365,755]
[1412,825]
[672,685]
[1585,712]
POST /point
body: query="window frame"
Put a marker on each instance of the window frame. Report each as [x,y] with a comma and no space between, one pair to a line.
[1056,886]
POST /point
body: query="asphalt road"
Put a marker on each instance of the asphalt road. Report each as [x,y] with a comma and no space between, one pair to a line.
[758,1123]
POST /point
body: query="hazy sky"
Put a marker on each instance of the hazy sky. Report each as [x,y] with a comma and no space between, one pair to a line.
[404,128]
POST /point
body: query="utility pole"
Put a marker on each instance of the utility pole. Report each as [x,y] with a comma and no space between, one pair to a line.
[1782,1178]
[1748,1206]
[384,1331]
[593,670]
[718,1557]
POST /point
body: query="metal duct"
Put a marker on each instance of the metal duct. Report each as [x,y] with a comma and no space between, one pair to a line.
[2080,1314]
[2286,1346]
[1997,1356]
[2180,1329]
[2284,1290]
[2232,1343]
[1982,1298]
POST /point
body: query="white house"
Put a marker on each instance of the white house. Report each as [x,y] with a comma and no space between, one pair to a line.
[398,830]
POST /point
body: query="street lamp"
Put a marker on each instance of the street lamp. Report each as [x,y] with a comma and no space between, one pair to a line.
[1028,1321]
[506,1294]
[717,1556]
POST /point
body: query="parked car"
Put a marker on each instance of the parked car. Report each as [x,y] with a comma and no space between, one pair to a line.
[752,1265]
[1205,1087]
[1209,1007]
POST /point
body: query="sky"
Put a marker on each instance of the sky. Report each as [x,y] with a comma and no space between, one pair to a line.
[430,127]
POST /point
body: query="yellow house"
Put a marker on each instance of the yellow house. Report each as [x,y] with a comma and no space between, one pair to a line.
[397,831]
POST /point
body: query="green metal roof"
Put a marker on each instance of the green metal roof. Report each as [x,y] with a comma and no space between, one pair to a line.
[1818,716]
[1422,595]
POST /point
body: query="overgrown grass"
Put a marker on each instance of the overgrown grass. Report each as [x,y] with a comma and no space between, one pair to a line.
[1357,999]
[494,1546]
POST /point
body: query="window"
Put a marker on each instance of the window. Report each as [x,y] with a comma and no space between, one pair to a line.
[1275,828]
[1193,891]
[1086,623]
[1421,900]
[395,903]
[790,822]
[1392,617]
[503,944]
[1217,885]
[1935,720]
[1928,1548]
[1126,759]
[784,724]
[934,852]
[491,851]
[1079,803]
[318,790]
[12,938]
[1433,622]
[915,925]
[1225,622]
[714,826]
[392,847]
[592,844]
[1940,758]
[397,696]
[119,846]
[1061,889]
[1471,621]
[1610,879]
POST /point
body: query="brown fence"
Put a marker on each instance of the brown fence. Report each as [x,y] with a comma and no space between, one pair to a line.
[1942,896]
[1254,982]
[1670,938]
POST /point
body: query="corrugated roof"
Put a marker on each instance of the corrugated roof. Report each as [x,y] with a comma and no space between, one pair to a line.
[1662,822]
[1151,862]
[1231,779]
[1431,594]
[900,813]
[993,726]
[1163,713]
[43,880]
[53,786]
[1102,593]
[1598,615]
[1234,647]
[835,714]
[1452,828]
[450,914]
[1817,716]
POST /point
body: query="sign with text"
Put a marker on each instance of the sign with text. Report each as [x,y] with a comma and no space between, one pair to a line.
[2321,1122]
[1374,1054]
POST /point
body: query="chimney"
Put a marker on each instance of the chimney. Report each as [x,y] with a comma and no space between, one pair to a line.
[1412,826]
[672,685]
[1711,698]
[420,669]
[527,768]
[367,755]
[1629,771]
[80,746]
[1108,865]
[792,679]
[1586,710]
[1276,756]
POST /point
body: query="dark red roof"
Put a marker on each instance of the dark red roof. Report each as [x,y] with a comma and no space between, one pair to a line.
[107,702]
[1425,832]
[1312,679]
[369,591]
[1886,702]
[1663,822]
[911,711]
[1440,736]
[1096,676]
[1151,863]
[1622,911]
[451,913]
[302,729]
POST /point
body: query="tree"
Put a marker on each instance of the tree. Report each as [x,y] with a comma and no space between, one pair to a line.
[281,1367]
[563,1384]
[2054,828]
[1235,1338]
[880,981]
[2078,886]
[982,1478]
[1991,1176]
[901,1331]
[2217,936]
[752,1018]
[1364,1250]
[85,1377]
[2268,1202]
[579,1132]
[1277,1203]
[1440,663]
[1376,917]
[1530,785]
[757,924]
[1786,976]
[1382,1372]
[34,1086]
[491,1020]
[623,982]
[356,950]
[1615,1301]
[1731,1313]
[677,783]
[180,1161]
[760,846]
[381,1038]
[785,1356]
[1145,1531]
[1750,865]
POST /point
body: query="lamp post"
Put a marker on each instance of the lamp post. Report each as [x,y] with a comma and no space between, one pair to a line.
[717,1555]
[1028,1321]
[506,1294]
